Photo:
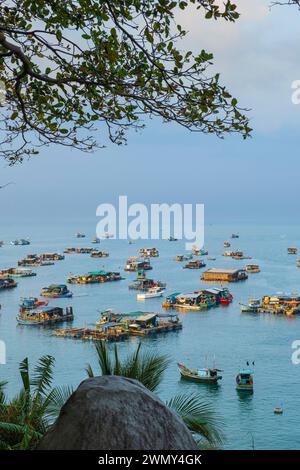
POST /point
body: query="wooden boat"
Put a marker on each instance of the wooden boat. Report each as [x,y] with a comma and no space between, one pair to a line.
[99,254]
[51,257]
[21,242]
[292,251]
[83,251]
[252,306]
[151,293]
[239,255]
[45,316]
[218,295]
[244,381]
[56,291]
[80,235]
[252,268]
[34,260]
[136,264]
[31,303]
[7,283]
[205,375]
[95,277]
[16,272]
[185,257]
[198,264]
[149,252]
[227,244]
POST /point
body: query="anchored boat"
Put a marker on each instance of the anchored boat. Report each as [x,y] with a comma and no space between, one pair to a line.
[95,277]
[149,252]
[151,293]
[252,268]
[44,316]
[99,254]
[136,264]
[292,251]
[16,272]
[198,264]
[56,291]
[252,306]
[7,283]
[205,375]
[22,242]
[244,381]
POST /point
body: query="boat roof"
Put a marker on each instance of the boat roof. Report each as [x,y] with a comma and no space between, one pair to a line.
[246,372]
[189,296]
[213,291]
[44,309]
[147,317]
[285,296]
[225,271]
[98,273]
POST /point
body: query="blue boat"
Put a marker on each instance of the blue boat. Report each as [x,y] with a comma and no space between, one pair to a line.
[244,381]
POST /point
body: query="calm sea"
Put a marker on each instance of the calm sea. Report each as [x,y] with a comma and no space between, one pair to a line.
[221,334]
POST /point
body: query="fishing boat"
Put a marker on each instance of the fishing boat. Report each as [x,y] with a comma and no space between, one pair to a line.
[31,303]
[292,251]
[205,375]
[149,252]
[82,251]
[198,264]
[99,254]
[95,240]
[51,257]
[244,381]
[56,291]
[151,293]
[278,410]
[235,235]
[217,295]
[227,244]
[95,277]
[34,260]
[194,301]
[45,316]
[252,268]
[80,235]
[7,283]
[251,307]
[137,264]
[185,257]
[144,284]
[239,255]
[16,272]
[22,242]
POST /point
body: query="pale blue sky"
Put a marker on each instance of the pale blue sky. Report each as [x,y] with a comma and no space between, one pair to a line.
[256,180]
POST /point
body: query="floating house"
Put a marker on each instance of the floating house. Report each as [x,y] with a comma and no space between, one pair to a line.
[82,251]
[51,257]
[149,252]
[224,275]
[198,264]
[136,264]
[16,272]
[44,316]
[95,277]
[34,260]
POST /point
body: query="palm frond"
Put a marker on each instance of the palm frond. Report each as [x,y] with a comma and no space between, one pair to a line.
[200,418]
[117,365]
[43,375]
[151,369]
[104,358]
[56,400]
[89,371]
[24,371]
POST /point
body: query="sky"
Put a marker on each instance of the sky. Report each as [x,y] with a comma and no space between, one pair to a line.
[254,181]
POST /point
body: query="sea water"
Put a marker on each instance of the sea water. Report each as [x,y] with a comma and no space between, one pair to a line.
[222,336]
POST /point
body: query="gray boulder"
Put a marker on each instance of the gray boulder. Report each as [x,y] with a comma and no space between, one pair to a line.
[115,413]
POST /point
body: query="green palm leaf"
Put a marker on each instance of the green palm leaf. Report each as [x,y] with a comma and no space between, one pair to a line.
[43,375]
[200,418]
[56,400]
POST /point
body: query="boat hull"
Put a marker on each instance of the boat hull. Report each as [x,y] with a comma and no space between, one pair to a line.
[194,378]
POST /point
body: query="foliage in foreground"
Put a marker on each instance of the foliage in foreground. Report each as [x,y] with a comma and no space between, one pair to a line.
[25,418]
[79,68]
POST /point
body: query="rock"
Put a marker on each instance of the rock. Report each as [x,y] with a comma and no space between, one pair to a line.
[115,413]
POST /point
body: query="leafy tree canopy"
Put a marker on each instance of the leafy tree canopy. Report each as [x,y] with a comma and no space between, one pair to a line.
[75,72]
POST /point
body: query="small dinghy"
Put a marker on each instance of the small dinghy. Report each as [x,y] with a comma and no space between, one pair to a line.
[244,381]
[278,410]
